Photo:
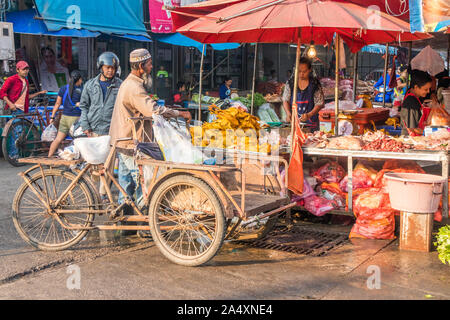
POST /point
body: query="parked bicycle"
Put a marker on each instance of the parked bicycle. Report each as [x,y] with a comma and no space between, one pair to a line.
[21,136]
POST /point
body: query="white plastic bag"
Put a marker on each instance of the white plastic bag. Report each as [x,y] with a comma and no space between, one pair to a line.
[94,150]
[175,143]
[49,133]
[69,153]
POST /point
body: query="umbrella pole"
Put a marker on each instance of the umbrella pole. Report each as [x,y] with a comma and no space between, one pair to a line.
[355,75]
[385,73]
[200,85]
[294,91]
[254,77]
[336,89]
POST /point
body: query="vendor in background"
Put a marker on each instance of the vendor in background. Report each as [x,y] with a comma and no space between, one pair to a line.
[273,76]
[309,98]
[411,111]
[69,97]
[225,89]
[180,95]
[402,86]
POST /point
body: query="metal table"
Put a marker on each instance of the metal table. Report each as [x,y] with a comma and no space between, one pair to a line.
[432,156]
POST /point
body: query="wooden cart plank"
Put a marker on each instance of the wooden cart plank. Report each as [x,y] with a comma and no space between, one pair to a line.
[49,161]
[221,168]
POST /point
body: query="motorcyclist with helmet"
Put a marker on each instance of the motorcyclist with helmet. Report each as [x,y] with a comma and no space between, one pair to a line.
[98,99]
[99,96]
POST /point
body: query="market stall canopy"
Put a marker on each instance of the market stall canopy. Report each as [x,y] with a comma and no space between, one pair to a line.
[428,60]
[279,21]
[377,48]
[180,40]
[119,17]
[24,22]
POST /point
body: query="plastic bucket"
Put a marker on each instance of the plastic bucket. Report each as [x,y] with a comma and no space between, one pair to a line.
[414,192]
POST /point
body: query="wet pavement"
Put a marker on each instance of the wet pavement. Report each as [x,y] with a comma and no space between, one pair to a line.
[114,267]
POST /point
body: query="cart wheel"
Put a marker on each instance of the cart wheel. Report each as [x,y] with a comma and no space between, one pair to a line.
[187,220]
[15,143]
[40,228]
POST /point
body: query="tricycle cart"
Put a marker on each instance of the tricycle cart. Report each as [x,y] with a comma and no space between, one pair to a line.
[190,209]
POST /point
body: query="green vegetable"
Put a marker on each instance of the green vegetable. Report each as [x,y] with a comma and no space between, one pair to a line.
[258,99]
[443,244]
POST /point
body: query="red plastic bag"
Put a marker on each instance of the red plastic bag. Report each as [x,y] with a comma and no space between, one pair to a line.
[318,206]
[402,164]
[329,172]
[374,216]
[363,177]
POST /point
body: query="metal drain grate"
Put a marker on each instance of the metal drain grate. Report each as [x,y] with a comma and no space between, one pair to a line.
[301,240]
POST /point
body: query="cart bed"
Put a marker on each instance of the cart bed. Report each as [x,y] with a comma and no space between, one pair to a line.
[256,203]
[54,161]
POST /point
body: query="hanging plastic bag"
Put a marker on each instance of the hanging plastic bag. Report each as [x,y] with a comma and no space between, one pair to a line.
[438,117]
[49,133]
[94,150]
[175,143]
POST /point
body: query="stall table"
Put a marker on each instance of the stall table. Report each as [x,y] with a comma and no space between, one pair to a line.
[432,156]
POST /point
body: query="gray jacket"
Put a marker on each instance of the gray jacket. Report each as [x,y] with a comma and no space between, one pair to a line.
[95,113]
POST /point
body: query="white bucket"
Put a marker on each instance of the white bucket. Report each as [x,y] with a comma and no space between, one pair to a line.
[414,192]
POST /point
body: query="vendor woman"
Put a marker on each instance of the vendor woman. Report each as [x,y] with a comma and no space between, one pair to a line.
[412,111]
[309,98]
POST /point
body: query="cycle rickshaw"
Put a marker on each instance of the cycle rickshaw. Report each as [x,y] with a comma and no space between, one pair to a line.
[190,209]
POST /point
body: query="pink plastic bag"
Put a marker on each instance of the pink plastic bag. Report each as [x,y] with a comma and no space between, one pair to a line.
[318,206]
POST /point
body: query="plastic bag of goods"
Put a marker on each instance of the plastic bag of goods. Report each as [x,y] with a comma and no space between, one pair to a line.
[329,172]
[438,117]
[69,153]
[175,143]
[400,166]
[363,177]
[374,216]
[94,150]
[76,130]
[318,206]
[267,114]
[49,133]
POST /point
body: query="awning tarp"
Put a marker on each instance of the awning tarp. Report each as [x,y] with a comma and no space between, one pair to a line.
[181,40]
[110,17]
[24,22]
[378,48]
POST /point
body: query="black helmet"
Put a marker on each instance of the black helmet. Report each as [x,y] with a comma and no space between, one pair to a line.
[76,75]
[108,59]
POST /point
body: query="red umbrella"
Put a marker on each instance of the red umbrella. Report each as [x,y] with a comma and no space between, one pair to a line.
[278,21]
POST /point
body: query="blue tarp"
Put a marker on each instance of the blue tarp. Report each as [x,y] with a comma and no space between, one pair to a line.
[24,22]
[377,48]
[110,17]
[181,40]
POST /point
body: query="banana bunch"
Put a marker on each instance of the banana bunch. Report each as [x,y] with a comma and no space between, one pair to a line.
[233,129]
[393,122]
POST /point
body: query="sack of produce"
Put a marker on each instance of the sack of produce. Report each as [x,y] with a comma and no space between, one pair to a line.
[329,172]
[49,133]
[363,177]
[318,206]
[374,216]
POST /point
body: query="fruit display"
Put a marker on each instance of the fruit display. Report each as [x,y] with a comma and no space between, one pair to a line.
[233,129]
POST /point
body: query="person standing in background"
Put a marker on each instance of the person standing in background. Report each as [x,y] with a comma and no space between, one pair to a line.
[15,90]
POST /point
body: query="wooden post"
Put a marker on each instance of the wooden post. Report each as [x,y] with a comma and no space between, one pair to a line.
[336,89]
[386,61]
[355,75]
[294,91]
[199,118]
[254,77]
